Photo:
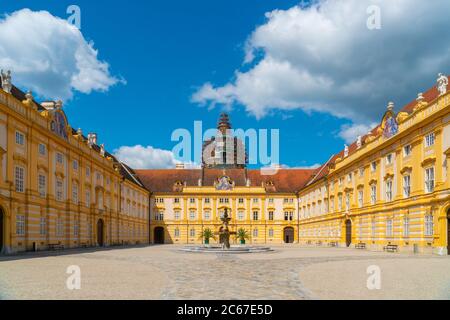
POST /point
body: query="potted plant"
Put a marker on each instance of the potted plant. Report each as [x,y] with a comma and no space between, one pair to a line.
[206,235]
[242,234]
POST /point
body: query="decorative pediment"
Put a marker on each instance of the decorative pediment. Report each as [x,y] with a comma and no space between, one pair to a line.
[406,169]
[389,124]
[348,190]
[178,186]
[360,186]
[20,158]
[428,161]
[59,124]
[269,186]
[224,183]
[372,181]
[42,167]
[446,152]
[388,176]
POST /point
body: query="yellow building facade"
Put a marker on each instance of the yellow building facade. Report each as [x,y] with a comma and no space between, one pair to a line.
[58,188]
[389,188]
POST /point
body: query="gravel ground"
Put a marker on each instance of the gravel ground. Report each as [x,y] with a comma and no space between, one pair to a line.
[163,272]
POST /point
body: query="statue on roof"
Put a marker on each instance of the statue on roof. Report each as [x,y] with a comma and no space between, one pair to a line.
[442,83]
[6,81]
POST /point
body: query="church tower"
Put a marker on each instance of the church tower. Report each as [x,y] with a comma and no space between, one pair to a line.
[224,151]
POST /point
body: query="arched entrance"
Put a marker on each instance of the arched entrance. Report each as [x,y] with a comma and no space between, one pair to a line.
[348,233]
[159,235]
[100,233]
[2,233]
[288,235]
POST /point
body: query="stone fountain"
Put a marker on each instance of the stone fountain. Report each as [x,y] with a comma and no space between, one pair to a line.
[224,238]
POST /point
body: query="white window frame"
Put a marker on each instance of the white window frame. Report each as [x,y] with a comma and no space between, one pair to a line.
[20,225]
[20,138]
[429,225]
[407,186]
[42,185]
[389,228]
[429,179]
[430,139]
[389,190]
[19,178]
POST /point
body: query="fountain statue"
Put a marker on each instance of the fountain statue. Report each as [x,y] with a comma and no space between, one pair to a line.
[224,233]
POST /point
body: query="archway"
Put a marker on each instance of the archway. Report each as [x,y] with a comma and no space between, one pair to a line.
[2,226]
[348,233]
[288,235]
[100,233]
[159,235]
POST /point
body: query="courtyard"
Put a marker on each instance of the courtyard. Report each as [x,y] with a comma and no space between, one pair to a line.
[163,272]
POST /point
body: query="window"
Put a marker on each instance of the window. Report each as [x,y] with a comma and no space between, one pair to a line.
[88,198]
[430,139]
[59,158]
[177,233]
[42,185]
[192,233]
[159,200]
[241,200]
[43,226]
[360,198]
[374,228]
[176,200]
[270,200]
[406,226]
[389,158]
[270,233]
[407,150]
[286,216]
[406,186]
[255,233]
[59,190]
[340,202]
[347,201]
[373,166]
[159,216]
[361,172]
[42,149]
[255,200]
[373,194]
[429,225]
[75,165]
[255,215]
[192,215]
[341,181]
[286,200]
[389,190]
[76,229]
[207,200]
[429,179]
[349,177]
[75,192]
[20,225]
[20,138]
[224,200]
[59,227]
[389,228]
[88,172]
[207,215]
[20,179]
[192,200]
[271,215]
[241,215]
[176,215]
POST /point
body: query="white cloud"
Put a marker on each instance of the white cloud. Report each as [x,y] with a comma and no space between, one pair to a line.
[50,56]
[349,132]
[324,58]
[140,157]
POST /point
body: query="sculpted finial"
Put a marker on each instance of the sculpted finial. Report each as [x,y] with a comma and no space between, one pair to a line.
[102,150]
[346,151]
[442,83]
[359,142]
[6,81]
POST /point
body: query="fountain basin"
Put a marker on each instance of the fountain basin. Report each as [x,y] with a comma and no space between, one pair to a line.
[232,250]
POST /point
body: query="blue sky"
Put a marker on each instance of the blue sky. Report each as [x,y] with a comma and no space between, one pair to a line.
[166,51]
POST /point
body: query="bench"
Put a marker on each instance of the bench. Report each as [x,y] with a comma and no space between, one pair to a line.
[360,246]
[391,248]
[55,246]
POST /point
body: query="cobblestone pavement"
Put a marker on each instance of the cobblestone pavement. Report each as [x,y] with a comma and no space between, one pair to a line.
[163,272]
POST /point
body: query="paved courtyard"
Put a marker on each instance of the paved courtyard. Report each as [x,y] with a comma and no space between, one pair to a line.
[163,272]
